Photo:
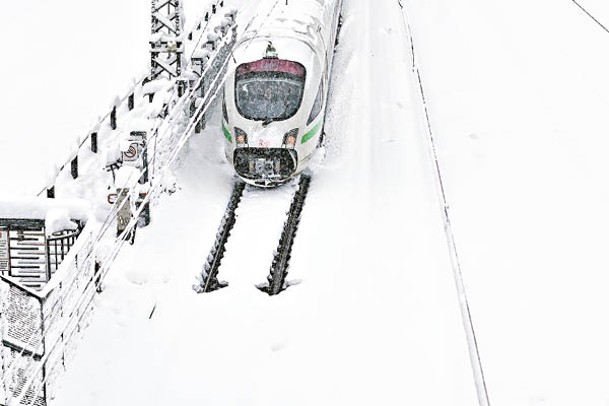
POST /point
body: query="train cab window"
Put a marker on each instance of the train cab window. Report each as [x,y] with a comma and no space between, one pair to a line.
[317,105]
[269,89]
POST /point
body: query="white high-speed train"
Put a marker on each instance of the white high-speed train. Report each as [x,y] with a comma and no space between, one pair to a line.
[276,90]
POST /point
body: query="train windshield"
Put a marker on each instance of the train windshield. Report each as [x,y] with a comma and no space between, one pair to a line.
[269,89]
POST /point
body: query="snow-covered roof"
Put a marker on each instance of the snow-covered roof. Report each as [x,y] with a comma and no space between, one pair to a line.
[37,208]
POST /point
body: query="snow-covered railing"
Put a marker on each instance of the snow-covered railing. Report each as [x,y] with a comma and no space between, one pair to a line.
[58,246]
[170,134]
[41,328]
[109,120]
[22,343]
[89,143]
[35,235]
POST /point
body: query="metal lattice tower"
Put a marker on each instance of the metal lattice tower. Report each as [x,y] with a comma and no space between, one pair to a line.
[166,42]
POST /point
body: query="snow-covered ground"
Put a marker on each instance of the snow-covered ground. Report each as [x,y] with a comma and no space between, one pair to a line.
[517,95]
[376,307]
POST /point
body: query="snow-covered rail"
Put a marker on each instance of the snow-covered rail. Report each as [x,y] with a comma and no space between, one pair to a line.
[295,193]
[209,276]
[468,325]
[281,260]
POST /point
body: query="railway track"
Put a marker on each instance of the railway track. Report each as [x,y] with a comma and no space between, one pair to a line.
[276,280]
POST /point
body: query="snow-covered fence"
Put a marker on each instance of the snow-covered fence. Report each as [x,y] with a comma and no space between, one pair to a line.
[41,328]
[58,246]
[66,306]
[35,230]
[112,119]
[90,142]
[22,342]
[169,136]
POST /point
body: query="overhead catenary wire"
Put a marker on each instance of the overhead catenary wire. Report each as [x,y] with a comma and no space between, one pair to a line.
[591,16]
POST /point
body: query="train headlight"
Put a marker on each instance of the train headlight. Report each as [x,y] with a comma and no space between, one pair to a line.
[289,139]
[240,137]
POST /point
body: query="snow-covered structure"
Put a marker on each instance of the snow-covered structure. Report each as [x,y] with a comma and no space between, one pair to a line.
[54,253]
[166,42]
[35,236]
[47,282]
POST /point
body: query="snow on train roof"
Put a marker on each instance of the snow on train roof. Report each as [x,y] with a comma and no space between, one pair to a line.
[295,29]
[303,20]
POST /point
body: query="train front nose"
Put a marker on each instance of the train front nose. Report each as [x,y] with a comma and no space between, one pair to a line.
[265,166]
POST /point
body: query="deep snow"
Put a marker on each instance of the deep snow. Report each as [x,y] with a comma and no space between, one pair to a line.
[517,98]
[518,95]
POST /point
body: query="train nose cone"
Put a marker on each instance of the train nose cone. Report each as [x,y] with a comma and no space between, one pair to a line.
[265,166]
[266,137]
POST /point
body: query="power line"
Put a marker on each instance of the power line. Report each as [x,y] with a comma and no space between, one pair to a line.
[591,16]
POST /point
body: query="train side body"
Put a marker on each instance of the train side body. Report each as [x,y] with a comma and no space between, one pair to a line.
[276,91]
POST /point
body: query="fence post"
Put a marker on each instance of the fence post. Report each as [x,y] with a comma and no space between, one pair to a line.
[131,101]
[44,349]
[94,142]
[98,284]
[113,118]
[200,123]
[123,216]
[51,192]
[74,167]
[212,42]
[3,299]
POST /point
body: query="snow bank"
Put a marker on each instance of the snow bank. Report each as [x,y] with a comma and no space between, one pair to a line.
[126,177]
[43,209]
[156,85]
[58,220]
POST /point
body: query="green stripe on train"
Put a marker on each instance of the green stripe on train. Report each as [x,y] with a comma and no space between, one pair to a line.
[226,133]
[311,132]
